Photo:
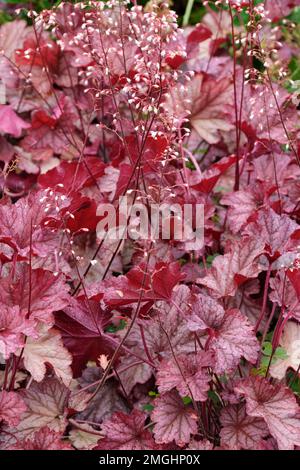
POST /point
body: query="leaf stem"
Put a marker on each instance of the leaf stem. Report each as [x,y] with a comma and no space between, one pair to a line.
[187,13]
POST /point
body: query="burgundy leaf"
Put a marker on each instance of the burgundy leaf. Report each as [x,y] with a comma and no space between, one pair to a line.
[43,439]
[149,342]
[167,325]
[156,285]
[241,206]
[13,328]
[10,122]
[173,420]
[82,326]
[188,373]
[233,268]
[273,230]
[200,445]
[211,176]
[37,292]
[294,277]
[126,432]
[12,407]
[72,176]
[277,405]
[199,34]
[46,406]
[132,371]
[231,335]
[23,224]
[107,401]
[205,104]
[240,431]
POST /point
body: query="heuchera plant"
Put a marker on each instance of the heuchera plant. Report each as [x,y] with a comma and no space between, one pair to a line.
[147,344]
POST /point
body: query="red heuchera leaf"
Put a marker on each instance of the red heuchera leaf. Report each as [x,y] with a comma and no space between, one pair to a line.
[283,287]
[41,54]
[277,405]
[12,36]
[231,335]
[132,372]
[199,34]
[13,328]
[73,176]
[234,339]
[188,373]
[46,406]
[43,439]
[126,432]
[211,176]
[200,445]
[12,407]
[275,10]
[167,324]
[173,420]
[157,283]
[206,313]
[82,326]
[10,122]
[242,205]
[83,210]
[240,431]
[294,277]
[47,349]
[233,268]
[151,155]
[107,401]
[265,107]
[49,131]
[204,104]
[46,291]
[273,230]
[126,179]
[165,278]
[23,223]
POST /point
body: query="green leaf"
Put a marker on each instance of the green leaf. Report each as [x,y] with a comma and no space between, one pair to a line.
[294,67]
[210,258]
[258,65]
[186,400]
[280,353]
[260,371]
[295,15]
[265,361]
[112,328]
[267,348]
[294,383]
[4,17]
[197,13]
[190,165]
[148,407]
[219,189]
[214,397]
